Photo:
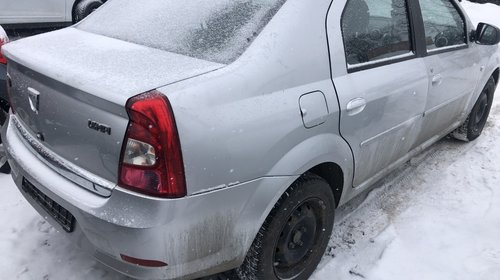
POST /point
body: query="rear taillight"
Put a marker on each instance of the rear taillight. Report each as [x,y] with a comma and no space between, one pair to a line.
[3,41]
[151,159]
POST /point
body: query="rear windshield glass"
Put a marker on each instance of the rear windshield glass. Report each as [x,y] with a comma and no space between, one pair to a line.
[215,30]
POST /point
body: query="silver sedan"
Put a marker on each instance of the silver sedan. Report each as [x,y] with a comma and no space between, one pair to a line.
[177,139]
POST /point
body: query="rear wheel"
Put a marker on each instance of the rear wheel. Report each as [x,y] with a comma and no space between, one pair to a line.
[474,124]
[294,236]
[85,8]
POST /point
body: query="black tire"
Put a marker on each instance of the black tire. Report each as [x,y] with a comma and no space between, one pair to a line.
[5,169]
[474,124]
[85,8]
[293,239]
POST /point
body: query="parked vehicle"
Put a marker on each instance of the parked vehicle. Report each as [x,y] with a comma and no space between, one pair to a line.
[4,166]
[22,12]
[186,139]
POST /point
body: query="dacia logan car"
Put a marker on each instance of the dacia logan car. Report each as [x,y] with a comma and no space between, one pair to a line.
[177,139]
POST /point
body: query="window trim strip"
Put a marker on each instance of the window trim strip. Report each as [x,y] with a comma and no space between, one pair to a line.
[415,49]
[464,45]
[417,35]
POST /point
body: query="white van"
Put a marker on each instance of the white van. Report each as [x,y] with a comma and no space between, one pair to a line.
[46,11]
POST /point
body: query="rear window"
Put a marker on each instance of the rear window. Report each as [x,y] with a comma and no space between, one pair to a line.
[216,30]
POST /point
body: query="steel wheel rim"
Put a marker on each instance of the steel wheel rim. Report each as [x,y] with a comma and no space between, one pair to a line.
[480,115]
[298,238]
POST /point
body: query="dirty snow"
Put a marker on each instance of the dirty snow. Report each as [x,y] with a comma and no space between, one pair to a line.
[437,217]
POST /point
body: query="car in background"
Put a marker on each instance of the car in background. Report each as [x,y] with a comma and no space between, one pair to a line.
[4,105]
[48,12]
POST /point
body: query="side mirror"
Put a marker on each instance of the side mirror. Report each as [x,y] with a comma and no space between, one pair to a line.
[487,34]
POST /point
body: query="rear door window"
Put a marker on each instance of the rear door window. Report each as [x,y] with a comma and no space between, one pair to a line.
[444,25]
[375,30]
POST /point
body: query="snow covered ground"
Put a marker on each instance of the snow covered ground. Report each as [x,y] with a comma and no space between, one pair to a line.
[437,217]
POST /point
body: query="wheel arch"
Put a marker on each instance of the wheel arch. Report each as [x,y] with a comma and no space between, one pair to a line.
[332,173]
[75,3]
[326,155]
[496,75]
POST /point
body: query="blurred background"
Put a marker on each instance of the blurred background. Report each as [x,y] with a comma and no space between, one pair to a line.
[22,18]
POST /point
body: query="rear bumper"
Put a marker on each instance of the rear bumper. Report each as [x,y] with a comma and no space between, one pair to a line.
[196,236]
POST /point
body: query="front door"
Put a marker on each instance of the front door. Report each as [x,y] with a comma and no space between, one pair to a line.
[451,65]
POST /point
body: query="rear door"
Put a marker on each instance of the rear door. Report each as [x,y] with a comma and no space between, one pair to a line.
[32,11]
[380,81]
[451,64]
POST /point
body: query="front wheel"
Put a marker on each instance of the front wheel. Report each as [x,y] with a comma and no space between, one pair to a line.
[85,8]
[474,124]
[293,239]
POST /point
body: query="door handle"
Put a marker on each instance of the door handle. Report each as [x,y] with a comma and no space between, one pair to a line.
[356,106]
[437,79]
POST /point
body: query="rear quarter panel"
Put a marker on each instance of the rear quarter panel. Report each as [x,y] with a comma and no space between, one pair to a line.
[243,122]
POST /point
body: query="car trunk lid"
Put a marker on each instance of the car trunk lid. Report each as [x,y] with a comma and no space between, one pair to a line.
[69,89]
[109,68]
